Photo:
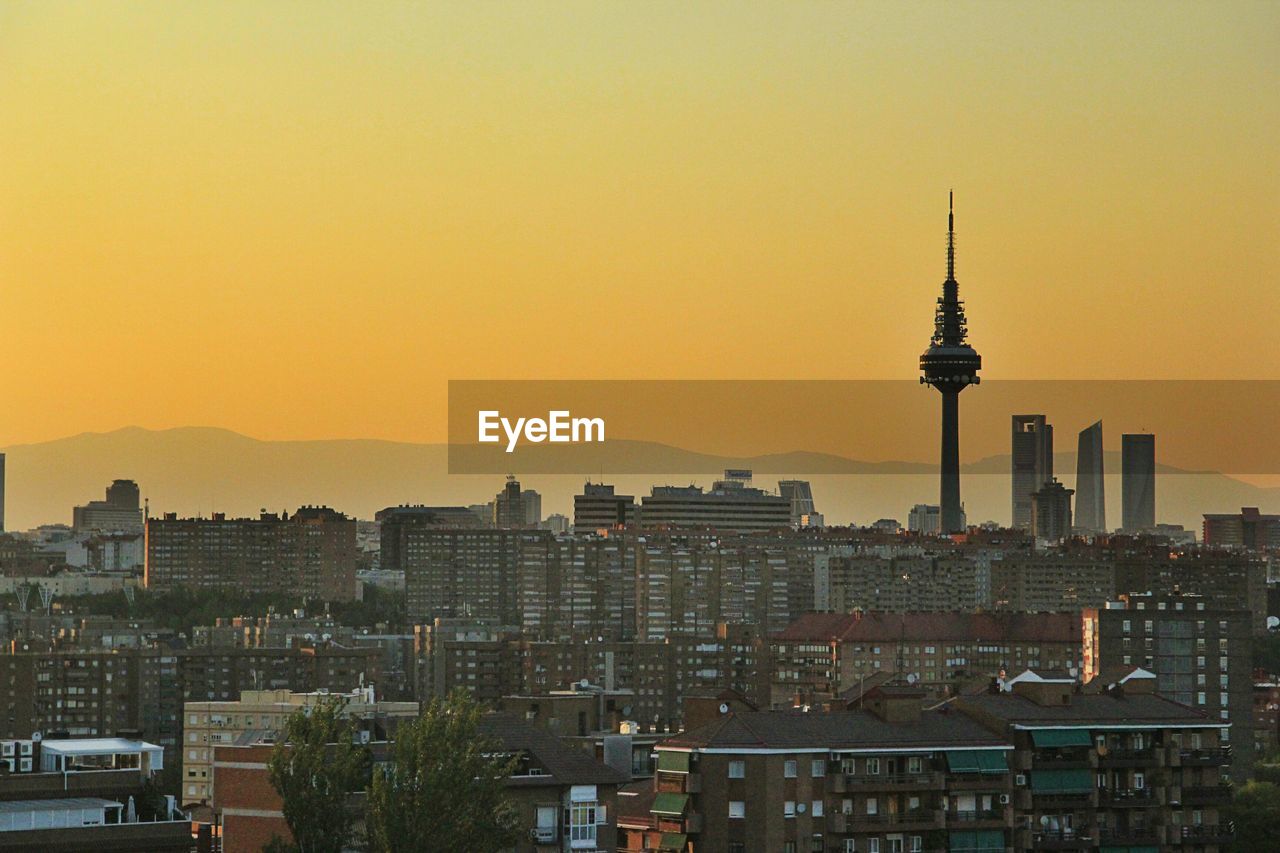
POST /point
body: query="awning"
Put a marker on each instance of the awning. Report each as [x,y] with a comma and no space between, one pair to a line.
[984,841]
[673,841]
[977,761]
[673,761]
[1062,781]
[670,804]
[1061,737]
[1110,849]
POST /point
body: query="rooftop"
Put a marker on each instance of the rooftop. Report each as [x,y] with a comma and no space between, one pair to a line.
[1100,709]
[892,627]
[97,746]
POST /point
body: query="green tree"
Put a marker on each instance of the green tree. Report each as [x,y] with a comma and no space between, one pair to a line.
[1255,808]
[445,788]
[315,767]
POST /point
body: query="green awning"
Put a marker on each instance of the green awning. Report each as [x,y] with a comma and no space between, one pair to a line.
[672,761]
[1062,781]
[670,804]
[673,841]
[986,841]
[977,761]
[1148,849]
[1061,737]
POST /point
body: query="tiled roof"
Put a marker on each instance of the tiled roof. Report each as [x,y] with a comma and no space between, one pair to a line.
[1100,708]
[835,730]
[564,764]
[892,627]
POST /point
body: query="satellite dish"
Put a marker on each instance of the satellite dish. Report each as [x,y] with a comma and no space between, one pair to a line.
[724,707]
[912,678]
[1044,820]
[800,807]
[1273,622]
[37,737]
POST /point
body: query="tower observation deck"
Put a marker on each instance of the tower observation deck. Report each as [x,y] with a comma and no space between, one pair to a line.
[950,365]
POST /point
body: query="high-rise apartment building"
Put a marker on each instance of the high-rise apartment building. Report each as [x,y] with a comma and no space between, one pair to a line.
[1051,512]
[311,554]
[1091,500]
[1032,463]
[515,508]
[1199,651]
[1138,481]
[925,518]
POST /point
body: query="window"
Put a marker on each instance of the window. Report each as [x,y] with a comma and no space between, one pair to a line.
[788,847]
[819,768]
[872,806]
[789,769]
[737,769]
[582,822]
[789,808]
[895,844]
[816,845]
[737,809]
[915,764]
[873,845]
[917,843]
[817,808]
[873,767]
[1139,781]
[850,846]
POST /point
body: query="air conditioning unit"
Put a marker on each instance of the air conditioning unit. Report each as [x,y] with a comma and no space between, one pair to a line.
[543,835]
[1004,799]
[25,766]
[24,747]
[7,748]
[1020,779]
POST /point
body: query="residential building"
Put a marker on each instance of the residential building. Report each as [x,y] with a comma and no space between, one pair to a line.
[1122,767]
[121,512]
[259,713]
[1199,651]
[1051,512]
[599,508]
[925,518]
[310,554]
[1247,529]
[1051,582]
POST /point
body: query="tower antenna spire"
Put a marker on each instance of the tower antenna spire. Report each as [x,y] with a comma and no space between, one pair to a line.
[951,235]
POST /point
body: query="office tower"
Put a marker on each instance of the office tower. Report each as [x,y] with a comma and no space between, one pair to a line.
[598,508]
[950,365]
[311,554]
[1032,459]
[120,512]
[1138,481]
[1051,512]
[800,494]
[1091,502]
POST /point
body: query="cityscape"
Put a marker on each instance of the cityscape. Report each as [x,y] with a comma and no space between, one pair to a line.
[734,664]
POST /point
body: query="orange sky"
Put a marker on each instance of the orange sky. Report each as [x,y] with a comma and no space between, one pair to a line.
[300,220]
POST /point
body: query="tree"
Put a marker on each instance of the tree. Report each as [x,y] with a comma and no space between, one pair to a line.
[445,788]
[315,767]
[1255,808]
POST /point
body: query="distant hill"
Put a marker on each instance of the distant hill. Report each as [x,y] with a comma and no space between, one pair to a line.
[200,470]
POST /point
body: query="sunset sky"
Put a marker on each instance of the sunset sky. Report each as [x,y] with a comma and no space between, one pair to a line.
[299,220]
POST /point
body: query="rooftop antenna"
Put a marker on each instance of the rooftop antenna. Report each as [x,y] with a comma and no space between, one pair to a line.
[951,235]
[46,598]
[24,594]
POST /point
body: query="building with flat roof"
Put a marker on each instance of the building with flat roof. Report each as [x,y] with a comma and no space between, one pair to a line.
[1091,484]
[1138,481]
[731,505]
[1031,455]
[1247,529]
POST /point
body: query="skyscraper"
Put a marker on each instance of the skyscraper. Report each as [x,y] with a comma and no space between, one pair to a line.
[1051,512]
[800,494]
[950,365]
[1138,481]
[1032,459]
[1091,500]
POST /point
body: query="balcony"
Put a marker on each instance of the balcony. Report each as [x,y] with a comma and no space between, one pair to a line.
[1126,798]
[1221,833]
[1215,757]
[920,819]
[1146,836]
[1063,759]
[979,819]
[846,783]
[1206,795]
[1131,758]
[1044,839]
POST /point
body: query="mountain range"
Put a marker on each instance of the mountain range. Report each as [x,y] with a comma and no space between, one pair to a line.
[198,470]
